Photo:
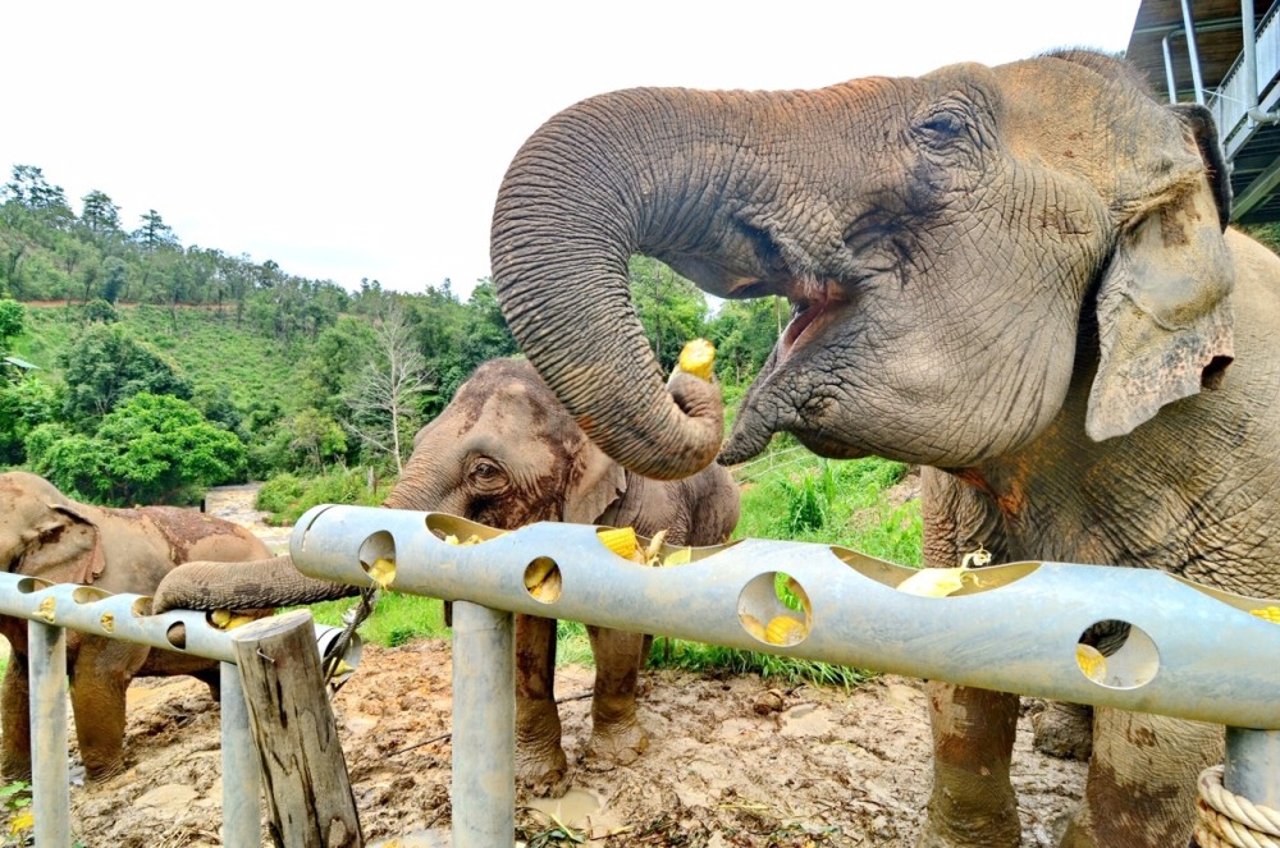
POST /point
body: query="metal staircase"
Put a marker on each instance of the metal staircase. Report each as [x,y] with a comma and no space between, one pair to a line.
[1225,55]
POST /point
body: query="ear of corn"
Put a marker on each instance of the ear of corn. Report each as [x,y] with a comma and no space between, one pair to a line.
[621,540]
[1091,662]
[1271,614]
[698,357]
[785,630]
[226,619]
[383,571]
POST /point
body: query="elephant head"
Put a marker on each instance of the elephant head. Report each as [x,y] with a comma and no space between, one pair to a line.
[44,534]
[504,453]
[951,245]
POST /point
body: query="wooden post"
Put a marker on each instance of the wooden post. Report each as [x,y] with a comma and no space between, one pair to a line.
[304,773]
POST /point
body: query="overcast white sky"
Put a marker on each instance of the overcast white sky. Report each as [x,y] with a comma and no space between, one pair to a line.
[368,139]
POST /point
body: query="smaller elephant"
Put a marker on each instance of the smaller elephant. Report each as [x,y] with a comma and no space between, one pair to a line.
[506,453]
[47,535]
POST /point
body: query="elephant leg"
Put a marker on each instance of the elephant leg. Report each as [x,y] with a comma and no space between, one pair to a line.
[973,804]
[1064,730]
[15,748]
[616,734]
[99,680]
[1141,788]
[540,762]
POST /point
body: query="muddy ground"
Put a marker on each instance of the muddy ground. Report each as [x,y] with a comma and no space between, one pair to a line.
[732,762]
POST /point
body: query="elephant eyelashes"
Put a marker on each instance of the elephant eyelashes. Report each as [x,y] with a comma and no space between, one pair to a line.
[487,475]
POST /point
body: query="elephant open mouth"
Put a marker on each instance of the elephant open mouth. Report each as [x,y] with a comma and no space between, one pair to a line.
[812,301]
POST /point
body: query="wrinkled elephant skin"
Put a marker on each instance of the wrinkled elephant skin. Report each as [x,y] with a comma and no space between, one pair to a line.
[1019,277]
[505,453]
[45,534]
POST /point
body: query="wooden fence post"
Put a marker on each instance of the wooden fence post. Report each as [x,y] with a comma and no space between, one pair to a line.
[304,774]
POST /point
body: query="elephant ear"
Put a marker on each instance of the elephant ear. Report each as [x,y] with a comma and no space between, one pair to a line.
[1163,311]
[67,548]
[595,483]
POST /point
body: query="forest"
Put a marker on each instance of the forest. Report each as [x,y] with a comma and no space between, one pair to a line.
[138,369]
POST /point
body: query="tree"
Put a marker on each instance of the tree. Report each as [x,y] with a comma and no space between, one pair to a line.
[24,406]
[29,188]
[154,234]
[671,308]
[744,333]
[13,319]
[99,214]
[383,399]
[152,449]
[318,437]
[114,273]
[105,366]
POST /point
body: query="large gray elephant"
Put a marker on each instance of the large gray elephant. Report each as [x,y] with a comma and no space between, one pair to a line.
[1018,276]
[505,453]
[45,534]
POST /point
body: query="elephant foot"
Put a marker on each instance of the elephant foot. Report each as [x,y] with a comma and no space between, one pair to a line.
[544,772]
[15,768]
[936,835]
[1064,731]
[616,743]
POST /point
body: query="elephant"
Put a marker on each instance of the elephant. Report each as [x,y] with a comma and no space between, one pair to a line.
[505,453]
[1020,277]
[47,535]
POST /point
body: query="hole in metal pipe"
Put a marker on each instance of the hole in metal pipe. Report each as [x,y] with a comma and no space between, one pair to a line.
[542,580]
[775,610]
[1117,655]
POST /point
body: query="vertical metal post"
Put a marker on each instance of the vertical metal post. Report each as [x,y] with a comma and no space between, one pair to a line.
[241,782]
[50,777]
[1189,27]
[484,727]
[1168,68]
[1253,765]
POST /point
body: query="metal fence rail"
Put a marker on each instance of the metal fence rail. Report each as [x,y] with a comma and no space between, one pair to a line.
[50,610]
[1191,652]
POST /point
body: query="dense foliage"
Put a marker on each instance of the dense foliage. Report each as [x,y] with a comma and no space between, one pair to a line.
[304,376]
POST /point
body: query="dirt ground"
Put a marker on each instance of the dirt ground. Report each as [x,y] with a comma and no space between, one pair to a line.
[732,762]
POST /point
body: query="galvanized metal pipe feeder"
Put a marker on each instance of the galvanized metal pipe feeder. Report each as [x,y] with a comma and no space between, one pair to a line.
[1012,628]
[50,610]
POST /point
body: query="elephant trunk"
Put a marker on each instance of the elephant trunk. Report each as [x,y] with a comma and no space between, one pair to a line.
[577,201]
[242,585]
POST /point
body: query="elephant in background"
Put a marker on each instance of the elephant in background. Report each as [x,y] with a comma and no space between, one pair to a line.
[47,535]
[506,454]
[1020,277]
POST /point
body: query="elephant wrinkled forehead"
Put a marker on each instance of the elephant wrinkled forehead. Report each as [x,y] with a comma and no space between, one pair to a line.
[509,396]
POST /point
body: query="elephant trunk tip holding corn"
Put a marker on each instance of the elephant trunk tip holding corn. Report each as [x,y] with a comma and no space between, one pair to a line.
[1019,277]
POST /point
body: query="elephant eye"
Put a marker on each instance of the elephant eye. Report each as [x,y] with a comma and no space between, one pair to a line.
[486,473]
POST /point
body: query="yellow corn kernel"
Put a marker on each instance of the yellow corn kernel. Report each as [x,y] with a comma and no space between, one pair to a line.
[698,357]
[621,540]
[752,625]
[934,582]
[1091,662]
[1271,614]
[383,571]
[785,630]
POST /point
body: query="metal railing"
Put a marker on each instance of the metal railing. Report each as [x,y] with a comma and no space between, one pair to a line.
[52,609]
[1191,652]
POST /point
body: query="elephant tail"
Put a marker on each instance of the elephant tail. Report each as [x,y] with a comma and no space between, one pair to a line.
[254,584]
